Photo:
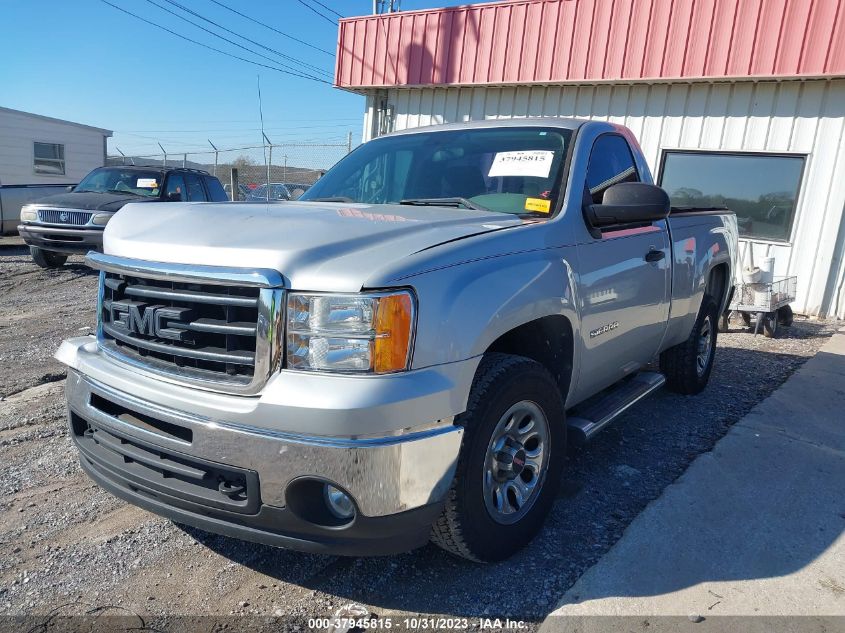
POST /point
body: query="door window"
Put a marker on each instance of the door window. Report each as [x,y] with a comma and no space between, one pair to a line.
[611,162]
[215,189]
[196,193]
[175,185]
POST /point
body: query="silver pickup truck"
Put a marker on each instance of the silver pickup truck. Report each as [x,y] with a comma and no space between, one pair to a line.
[403,353]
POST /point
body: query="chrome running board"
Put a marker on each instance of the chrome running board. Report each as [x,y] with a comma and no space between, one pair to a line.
[591,417]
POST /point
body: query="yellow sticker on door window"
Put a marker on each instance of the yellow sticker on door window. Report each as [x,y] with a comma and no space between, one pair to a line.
[538,204]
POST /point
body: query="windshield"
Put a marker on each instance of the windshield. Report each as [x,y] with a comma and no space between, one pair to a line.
[116,180]
[508,170]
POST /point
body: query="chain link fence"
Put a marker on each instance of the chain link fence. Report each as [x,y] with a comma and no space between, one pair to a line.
[250,171]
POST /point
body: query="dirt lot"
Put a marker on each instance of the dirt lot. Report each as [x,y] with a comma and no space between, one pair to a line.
[68,547]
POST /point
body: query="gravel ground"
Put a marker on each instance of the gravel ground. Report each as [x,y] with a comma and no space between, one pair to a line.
[68,547]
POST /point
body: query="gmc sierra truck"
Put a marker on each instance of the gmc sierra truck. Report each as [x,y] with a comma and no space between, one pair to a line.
[403,353]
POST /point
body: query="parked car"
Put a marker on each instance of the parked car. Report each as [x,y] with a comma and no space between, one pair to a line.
[73,222]
[243,192]
[403,353]
[278,191]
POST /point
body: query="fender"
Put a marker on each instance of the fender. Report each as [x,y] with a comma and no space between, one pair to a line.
[463,309]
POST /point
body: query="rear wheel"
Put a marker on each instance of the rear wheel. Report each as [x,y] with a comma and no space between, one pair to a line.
[510,463]
[785,316]
[47,259]
[687,366]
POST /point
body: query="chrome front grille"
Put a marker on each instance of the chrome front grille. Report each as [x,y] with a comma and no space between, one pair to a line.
[64,216]
[209,331]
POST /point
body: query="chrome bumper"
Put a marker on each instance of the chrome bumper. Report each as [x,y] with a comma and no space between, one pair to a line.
[62,239]
[385,475]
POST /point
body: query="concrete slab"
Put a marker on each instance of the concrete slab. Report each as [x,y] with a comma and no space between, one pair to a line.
[11,241]
[754,528]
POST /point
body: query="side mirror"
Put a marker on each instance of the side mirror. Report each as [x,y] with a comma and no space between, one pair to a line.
[629,203]
[70,188]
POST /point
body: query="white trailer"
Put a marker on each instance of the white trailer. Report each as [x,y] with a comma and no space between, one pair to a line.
[40,155]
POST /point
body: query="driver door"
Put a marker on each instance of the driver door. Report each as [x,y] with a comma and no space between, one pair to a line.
[624,280]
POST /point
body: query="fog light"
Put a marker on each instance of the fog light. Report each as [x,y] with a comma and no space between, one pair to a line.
[339,502]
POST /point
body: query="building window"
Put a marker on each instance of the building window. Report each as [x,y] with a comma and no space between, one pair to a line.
[49,159]
[761,189]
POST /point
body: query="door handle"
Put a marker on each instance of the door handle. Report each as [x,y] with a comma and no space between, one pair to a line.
[654,256]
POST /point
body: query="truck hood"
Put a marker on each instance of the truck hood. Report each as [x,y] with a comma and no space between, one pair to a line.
[314,245]
[90,200]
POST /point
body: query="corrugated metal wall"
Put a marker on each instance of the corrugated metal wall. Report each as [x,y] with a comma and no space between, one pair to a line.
[791,116]
[537,41]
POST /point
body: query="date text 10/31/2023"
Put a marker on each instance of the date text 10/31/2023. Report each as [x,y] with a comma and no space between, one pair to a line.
[415,623]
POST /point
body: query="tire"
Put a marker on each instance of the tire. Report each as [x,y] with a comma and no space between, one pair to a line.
[785,316]
[47,259]
[687,366]
[770,324]
[476,524]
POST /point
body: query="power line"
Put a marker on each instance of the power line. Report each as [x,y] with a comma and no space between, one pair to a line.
[227,40]
[259,44]
[329,9]
[245,129]
[217,50]
[310,8]
[275,30]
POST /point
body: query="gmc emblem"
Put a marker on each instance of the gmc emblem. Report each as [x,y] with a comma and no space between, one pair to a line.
[155,321]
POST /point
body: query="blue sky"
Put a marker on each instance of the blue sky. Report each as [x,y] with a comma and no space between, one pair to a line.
[84,61]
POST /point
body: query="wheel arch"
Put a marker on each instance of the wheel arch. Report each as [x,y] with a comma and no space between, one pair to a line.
[718,285]
[547,340]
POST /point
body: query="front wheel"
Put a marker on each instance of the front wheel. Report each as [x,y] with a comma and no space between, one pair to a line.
[510,463]
[687,366]
[770,323]
[47,259]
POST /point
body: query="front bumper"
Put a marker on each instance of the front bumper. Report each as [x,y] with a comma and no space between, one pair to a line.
[397,479]
[62,239]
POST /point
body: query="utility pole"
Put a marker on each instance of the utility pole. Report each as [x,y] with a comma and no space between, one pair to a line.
[348,142]
[163,151]
[216,154]
[269,162]
[391,5]
[122,154]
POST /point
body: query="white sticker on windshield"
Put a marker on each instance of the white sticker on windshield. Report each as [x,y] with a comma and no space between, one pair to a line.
[147,183]
[536,162]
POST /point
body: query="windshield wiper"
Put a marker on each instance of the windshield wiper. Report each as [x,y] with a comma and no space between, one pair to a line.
[444,202]
[131,193]
[329,199]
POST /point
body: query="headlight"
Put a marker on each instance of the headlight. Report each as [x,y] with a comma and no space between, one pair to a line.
[29,215]
[358,333]
[101,219]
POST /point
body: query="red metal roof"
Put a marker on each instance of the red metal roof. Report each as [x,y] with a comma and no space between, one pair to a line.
[543,41]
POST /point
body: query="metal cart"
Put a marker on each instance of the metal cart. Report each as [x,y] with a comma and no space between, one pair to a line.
[767,302]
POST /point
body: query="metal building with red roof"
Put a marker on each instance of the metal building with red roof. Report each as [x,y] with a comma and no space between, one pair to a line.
[738,100]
